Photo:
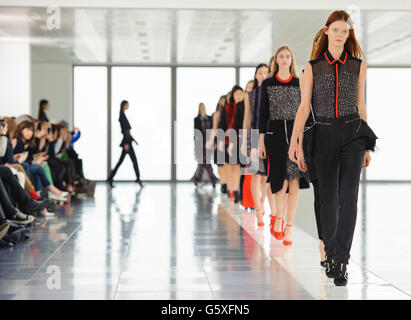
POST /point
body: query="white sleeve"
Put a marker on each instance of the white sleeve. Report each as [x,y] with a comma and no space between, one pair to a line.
[3,146]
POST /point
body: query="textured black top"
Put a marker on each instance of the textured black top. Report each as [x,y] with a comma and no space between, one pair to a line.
[280,100]
[330,100]
[125,129]
[43,117]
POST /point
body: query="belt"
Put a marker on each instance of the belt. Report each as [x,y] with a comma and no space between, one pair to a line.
[333,121]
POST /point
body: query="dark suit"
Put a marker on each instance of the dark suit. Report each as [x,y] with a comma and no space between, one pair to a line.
[127,139]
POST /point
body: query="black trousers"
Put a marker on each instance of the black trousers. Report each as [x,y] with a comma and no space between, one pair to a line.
[317,207]
[133,158]
[338,156]
[12,193]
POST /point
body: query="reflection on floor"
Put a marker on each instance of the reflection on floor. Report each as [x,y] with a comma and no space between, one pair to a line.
[169,242]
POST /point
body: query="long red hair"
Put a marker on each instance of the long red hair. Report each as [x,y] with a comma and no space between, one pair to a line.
[351,45]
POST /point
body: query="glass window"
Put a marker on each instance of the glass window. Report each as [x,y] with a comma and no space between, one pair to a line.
[389,111]
[246,74]
[90,116]
[195,85]
[148,91]
[256,36]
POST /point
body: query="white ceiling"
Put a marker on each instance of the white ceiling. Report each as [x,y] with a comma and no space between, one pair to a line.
[221,37]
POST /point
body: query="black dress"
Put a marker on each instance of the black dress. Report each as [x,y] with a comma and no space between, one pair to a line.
[127,139]
[280,100]
[203,156]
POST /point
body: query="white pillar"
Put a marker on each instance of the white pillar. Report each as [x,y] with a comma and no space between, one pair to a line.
[15,93]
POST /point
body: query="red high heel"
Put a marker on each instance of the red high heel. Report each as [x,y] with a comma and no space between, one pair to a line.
[279,235]
[272,222]
[260,224]
[231,195]
[288,243]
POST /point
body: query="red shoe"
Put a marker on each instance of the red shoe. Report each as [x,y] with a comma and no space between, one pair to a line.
[261,224]
[288,243]
[279,235]
[272,221]
[34,195]
[231,195]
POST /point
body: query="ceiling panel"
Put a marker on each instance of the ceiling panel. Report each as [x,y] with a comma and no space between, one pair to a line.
[220,37]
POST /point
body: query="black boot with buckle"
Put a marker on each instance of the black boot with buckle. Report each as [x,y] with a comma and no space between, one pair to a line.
[341,274]
[330,265]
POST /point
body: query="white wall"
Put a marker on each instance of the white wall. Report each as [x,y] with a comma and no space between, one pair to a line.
[14,79]
[52,81]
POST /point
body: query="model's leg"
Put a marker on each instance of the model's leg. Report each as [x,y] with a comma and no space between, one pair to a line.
[349,179]
[134,160]
[120,161]
[256,193]
[292,201]
[279,202]
[327,169]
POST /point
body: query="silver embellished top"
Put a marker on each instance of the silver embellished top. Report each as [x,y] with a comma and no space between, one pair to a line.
[330,100]
[280,100]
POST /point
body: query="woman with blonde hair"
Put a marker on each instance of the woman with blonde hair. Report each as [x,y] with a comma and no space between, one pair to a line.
[280,98]
[202,123]
[212,144]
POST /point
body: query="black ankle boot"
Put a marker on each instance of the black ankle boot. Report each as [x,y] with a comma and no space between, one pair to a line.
[224,188]
[341,274]
[237,196]
[330,266]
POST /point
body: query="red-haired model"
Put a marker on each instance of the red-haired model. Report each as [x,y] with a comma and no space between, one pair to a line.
[335,83]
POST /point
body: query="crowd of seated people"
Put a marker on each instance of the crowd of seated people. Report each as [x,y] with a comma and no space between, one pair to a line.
[39,169]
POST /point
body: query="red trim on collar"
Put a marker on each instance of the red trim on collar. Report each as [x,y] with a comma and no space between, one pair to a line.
[343,62]
[283,81]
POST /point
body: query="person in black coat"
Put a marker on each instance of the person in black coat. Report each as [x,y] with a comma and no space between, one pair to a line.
[201,123]
[126,144]
[43,106]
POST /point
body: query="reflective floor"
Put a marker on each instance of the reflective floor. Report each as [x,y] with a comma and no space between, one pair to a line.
[169,242]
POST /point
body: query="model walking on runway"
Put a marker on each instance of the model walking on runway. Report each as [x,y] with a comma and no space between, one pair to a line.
[202,123]
[126,144]
[310,165]
[280,98]
[231,153]
[212,144]
[340,138]
[259,177]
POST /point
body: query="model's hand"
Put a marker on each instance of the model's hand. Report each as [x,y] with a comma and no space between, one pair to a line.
[254,154]
[208,145]
[126,147]
[367,159]
[292,151]
[262,152]
[301,161]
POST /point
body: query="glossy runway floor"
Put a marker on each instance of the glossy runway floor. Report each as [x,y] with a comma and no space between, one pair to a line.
[169,242]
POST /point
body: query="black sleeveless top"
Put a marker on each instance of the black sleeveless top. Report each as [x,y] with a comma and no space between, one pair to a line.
[330,100]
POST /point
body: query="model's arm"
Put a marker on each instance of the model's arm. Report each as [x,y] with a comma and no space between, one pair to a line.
[362,109]
[262,119]
[303,111]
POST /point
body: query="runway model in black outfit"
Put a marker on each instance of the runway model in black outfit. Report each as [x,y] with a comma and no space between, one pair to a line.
[310,165]
[126,144]
[201,123]
[339,139]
